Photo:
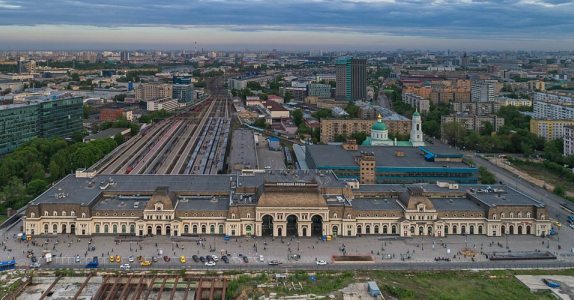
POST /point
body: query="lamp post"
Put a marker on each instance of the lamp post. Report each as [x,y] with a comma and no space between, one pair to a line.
[423,238]
[548,243]
[298,245]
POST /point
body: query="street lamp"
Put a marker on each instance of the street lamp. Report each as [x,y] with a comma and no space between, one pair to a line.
[548,244]
[423,238]
[298,245]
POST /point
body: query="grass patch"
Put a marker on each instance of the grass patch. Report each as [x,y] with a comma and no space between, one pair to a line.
[538,171]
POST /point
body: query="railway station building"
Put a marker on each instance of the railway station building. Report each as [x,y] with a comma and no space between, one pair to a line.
[279,203]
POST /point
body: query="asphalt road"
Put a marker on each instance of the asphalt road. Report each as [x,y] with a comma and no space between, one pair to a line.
[550,264]
[383,101]
[551,200]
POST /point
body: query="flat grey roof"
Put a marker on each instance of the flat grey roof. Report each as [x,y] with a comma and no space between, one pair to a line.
[336,156]
[375,204]
[455,204]
[126,203]
[110,132]
[243,150]
[203,203]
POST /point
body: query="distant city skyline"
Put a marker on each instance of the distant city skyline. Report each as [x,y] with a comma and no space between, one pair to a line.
[339,25]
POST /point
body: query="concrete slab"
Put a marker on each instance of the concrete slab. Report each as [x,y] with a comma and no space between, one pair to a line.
[535,283]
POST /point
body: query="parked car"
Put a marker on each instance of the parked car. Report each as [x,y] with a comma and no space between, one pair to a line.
[112,258]
[118,259]
[557,224]
[273,263]
[321,262]
[225,259]
[182,259]
[35,265]
[215,258]
[246,259]
[77,258]
[261,258]
[154,258]
[209,258]
[131,259]
[210,264]
[195,258]
[550,283]
[125,267]
[33,259]
[146,263]
[571,226]
[202,259]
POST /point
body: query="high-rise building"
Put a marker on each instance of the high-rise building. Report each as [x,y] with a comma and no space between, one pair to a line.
[184,93]
[45,119]
[351,79]
[124,55]
[322,91]
[482,91]
[148,91]
[26,66]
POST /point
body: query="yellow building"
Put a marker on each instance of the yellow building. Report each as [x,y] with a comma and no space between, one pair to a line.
[549,129]
[331,128]
[503,101]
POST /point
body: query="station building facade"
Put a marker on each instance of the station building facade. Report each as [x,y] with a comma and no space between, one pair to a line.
[278,203]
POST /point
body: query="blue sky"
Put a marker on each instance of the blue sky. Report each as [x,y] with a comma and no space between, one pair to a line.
[287,24]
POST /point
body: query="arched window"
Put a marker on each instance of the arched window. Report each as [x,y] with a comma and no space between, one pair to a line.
[233,216]
[385,229]
[501,215]
[542,217]
[220,229]
[115,228]
[32,215]
[63,213]
[334,215]
[132,228]
[479,229]
[97,228]
[368,229]
[511,215]
[45,213]
[106,228]
[55,213]
[528,215]
[394,229]
[55,228]
[185,228]
[348,216]
[212,229]
[359,228]
[494,216]
[45,228]
[412,230]
[73,213]
[248,215]
[376,229]
[203,229]
[83,215]
[194,228]
[519,215]
[123,228]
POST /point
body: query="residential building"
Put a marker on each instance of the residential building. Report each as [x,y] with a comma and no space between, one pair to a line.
[148,91]
[284,203]
[236,84]
[414,100]
[482,91]
[111,114]
[422,91]
[169,104]
[472,122]
[351,79]
[504,101]
[331,128]
[549,129]
[21,123]
[568,140]
[476,108]
[184,93]
[275,98]
[322,91]
[447,95]
[537,85]
[565,96]
[124,56]
[553,110]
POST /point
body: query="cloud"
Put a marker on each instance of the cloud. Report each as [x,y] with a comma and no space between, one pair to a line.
[449,19]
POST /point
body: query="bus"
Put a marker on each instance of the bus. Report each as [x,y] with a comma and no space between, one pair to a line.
[7,265]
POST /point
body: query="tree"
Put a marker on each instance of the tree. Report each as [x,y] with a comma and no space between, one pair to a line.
[87,109]
[7,91]
[560,191]
[261,123]
[488,128]
[36,186]
[120,97]
[78,136]
[352,109]
[119,138]
[454,133]
[340,138]
[359,136]
[196,73]
[145,119]
[75,77]
[486,177]
[288,96]
[322,113]
[317,133]
[297,117]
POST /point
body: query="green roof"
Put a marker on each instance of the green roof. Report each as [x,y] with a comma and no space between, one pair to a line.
[379,126]
[416,113]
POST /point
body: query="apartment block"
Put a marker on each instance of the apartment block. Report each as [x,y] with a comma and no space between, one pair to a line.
[414,100]
[553,110]
[167,103]
[423,91]
[504,101]
[148,91]
[549,129]
[568,140]
[482,91]
[184,93]
[559,96]
[472,122]
[321,91]
[445,96]
[475,108]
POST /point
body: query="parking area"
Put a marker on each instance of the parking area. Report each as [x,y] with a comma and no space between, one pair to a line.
[268,158]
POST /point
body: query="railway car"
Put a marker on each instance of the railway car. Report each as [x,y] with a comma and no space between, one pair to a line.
[128,170]
[7,265]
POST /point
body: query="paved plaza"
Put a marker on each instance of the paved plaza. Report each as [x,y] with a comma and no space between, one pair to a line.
[311,249]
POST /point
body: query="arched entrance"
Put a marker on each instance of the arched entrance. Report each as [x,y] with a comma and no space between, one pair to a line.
[64,228]
[305,231]
[519,229]
[292,225]
[267,225]
[429,230]
[335,230]
[158,230]
[511,229]
[168,230]
[471,229]
[280,231]
[421,230]
[527,229]
[73,228]
[503,228]
[149,230]
[316,226]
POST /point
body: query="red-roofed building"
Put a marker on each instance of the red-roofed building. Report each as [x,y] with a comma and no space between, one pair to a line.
[276,98]
[111,114]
